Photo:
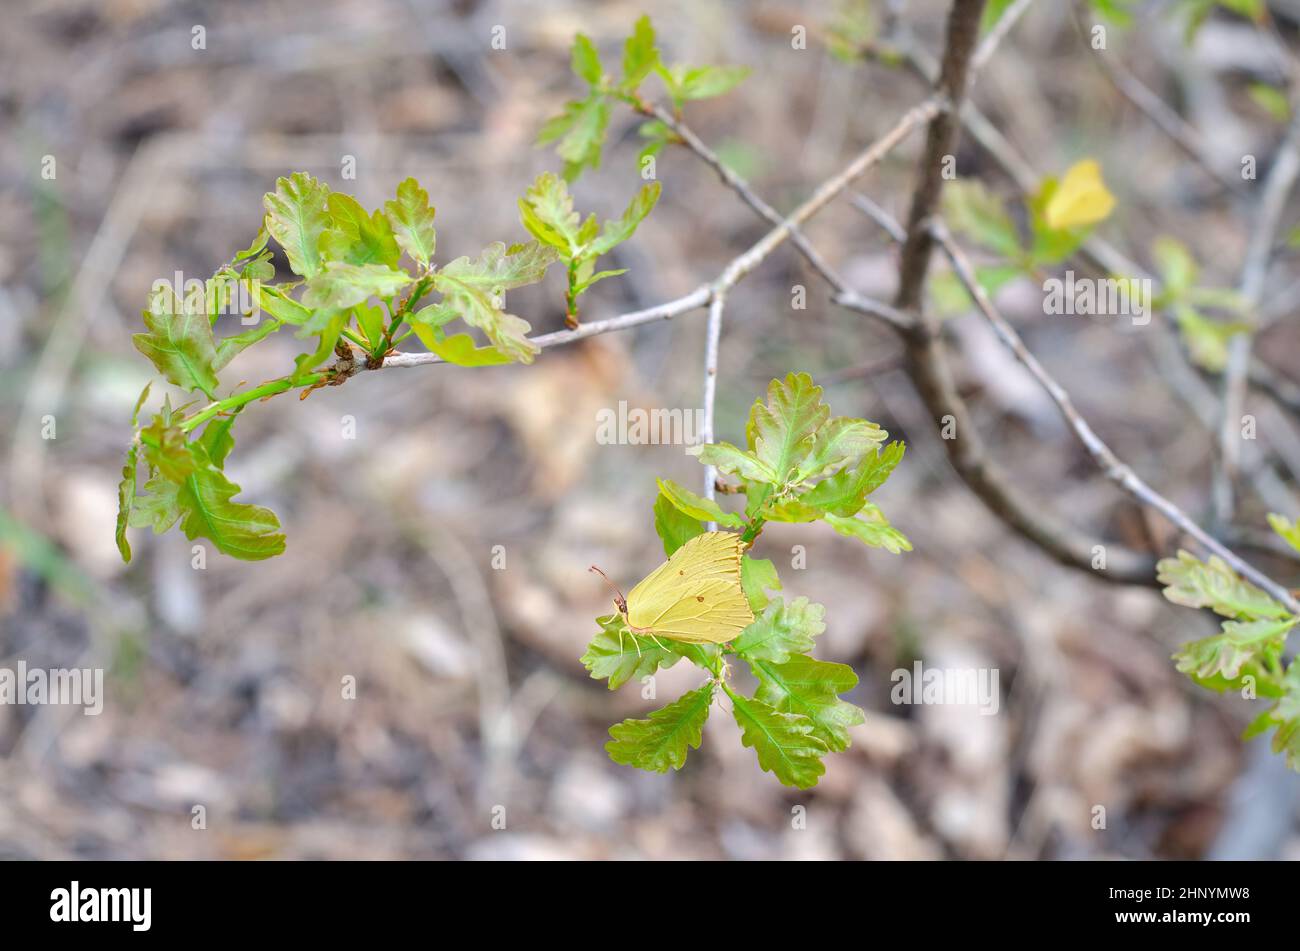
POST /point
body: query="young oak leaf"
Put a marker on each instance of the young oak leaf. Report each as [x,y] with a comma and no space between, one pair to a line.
[580,129]
[618,230]
[474,289]
[230,347]
[341,285]
[1286,529]
[1239,643]
[356,236]
[1196,584]
[699,82]
[203,501]
[126,489]
[411,218]
[675,527]
[297,216]
[460,349]
[782,431]
[975,212]
[586,60]
[1284,717]
[785,743]
[871,527]
[697,506]
[547,212]
[841,441]
[640,55]
[845,492]
[809,687]
[661,742]
[758,576]
[782,630]
[619,655]
[179,341]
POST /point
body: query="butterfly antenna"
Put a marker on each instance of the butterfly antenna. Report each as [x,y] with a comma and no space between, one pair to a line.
[620,601]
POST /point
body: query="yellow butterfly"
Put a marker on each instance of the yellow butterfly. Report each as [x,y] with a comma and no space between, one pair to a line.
[694,597]
[1080,199]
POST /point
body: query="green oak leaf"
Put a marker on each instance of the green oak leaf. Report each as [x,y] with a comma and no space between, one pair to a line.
[699,82]
[975,212]
[547,212]
[219,438]
[809,687]
[640,56]
[619,655]
[758,576]
[1286,529]
[475,287]
[841,441]
[328,326]
[845,492]
[618,230]
[586,61]
[297,216]
[1196,584]
[872,528]
[782,630]
[1239,643]
[661,742]
[356,236]
[204,503]
[1284,717]
[675,527]
[459,349]
[179,340]
[785,743]
[126,489]
[580,129]
[411,218]
[341,285]
[696,506]
[230,347]
[734,461]
[281,306]
[782,431]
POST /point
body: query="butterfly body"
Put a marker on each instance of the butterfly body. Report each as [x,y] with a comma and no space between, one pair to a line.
[695,596]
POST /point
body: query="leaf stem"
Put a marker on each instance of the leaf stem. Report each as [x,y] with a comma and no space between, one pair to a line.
[418,291]
[238,400]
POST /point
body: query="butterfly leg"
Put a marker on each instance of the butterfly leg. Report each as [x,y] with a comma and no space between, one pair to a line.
[657,641]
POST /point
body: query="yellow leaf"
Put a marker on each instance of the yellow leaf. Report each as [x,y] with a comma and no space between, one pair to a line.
[1080,199]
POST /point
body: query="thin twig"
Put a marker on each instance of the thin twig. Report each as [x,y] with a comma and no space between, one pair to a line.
[988,46]
[969,456]
[1181,132]
[932,373]
[713,337]
[1236,373]
[1110,464]
[739,266]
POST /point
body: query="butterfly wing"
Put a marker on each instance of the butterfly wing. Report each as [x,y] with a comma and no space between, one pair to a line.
[696,595]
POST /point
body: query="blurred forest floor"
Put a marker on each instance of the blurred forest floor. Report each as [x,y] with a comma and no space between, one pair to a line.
[224,684]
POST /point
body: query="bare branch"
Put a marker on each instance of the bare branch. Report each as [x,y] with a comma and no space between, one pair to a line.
[740,266]
[1182,133]
[713,337]
[971,459]
[1236,373]
[1110,464]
